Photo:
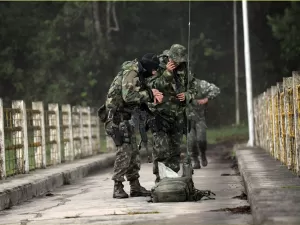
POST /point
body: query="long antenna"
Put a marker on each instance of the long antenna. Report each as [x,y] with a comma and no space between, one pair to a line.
[188,76]
[189,37]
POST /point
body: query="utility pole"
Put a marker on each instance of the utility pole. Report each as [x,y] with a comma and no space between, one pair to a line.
[236,63]
[248,74]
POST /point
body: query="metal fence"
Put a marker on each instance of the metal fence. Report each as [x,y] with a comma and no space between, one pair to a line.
[34,138]
[277,121]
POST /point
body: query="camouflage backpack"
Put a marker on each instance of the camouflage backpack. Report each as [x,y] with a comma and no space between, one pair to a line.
[178,189]
[114,96]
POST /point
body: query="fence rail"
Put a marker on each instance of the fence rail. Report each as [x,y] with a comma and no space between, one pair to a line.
[277,121]
[38,137]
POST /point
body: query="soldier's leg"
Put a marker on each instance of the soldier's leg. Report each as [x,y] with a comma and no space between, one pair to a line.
[193,146]
[173,160]
[122,161]
[160,150]
[132,173]
[201,136]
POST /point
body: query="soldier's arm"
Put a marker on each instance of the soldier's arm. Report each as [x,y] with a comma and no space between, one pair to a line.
[192,90]
[209,90]
[131,90]
[161,80]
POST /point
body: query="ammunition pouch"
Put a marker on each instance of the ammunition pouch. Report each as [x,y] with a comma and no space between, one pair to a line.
[115,134]
[120,129]
[102,113]
[126,131]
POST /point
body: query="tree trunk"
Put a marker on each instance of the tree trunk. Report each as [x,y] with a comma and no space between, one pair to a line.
[97,22]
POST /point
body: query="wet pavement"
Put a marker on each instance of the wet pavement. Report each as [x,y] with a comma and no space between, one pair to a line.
[89,201]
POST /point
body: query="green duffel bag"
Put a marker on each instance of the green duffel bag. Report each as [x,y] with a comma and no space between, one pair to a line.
[177,189]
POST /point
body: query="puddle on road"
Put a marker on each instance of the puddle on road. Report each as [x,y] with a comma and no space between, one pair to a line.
[237,210]
[243,196]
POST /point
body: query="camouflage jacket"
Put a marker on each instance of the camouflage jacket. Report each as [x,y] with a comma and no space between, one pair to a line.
[208,90]
[171,109]
[125,90]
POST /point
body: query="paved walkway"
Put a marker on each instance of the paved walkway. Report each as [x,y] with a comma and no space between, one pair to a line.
[273,190]
[89,201]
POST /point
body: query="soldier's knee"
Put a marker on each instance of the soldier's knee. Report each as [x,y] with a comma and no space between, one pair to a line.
[203,144]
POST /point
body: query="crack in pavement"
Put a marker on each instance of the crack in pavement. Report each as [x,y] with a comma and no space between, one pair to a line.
[63,200]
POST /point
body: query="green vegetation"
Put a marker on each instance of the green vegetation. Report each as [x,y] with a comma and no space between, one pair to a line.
[227,133]
[69,52]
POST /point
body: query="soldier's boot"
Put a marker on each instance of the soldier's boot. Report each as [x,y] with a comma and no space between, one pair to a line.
[136,190]
[196,163]
[203,146]
[157,179]
[119,190]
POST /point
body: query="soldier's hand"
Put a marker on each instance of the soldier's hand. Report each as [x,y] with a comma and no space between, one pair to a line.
[181,97]
[158,96]
[170,66]
[202,101]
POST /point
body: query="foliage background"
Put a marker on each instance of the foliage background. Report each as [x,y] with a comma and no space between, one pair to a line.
[69,52]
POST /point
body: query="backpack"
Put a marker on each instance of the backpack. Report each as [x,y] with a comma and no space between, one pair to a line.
[114,98]
[175,189]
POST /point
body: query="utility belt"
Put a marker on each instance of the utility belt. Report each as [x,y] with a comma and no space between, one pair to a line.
[119,127]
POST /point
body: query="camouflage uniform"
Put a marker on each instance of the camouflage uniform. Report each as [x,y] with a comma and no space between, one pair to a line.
[167,124]
[124,95]
[196,116]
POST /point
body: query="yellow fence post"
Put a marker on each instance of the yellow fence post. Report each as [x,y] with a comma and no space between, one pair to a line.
[289,112]
[296,101]
[256,121]
[269,119]
[276,128]
[2,143]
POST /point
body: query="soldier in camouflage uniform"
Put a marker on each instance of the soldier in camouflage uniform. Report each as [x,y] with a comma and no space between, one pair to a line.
[167,124]
[127,92]
[196,116]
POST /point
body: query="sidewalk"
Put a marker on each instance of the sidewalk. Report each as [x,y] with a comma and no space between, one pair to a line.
[273,191]
[20,188]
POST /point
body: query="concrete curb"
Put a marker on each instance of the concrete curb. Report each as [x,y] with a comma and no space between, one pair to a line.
[21,188]
[273,191]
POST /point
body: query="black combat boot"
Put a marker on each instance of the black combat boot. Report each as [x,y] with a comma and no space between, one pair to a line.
[136,190]
[157,179]
[196,163]
[119,191]
[203,146]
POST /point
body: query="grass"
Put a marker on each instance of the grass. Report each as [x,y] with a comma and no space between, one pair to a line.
[227,133]
[291,187]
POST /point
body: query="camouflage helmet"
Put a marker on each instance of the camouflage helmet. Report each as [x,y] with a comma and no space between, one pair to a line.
[178,53]
[166,52]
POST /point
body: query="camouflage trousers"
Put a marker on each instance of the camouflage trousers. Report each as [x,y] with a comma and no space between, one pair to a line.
[127,162]
[166,149]
[197,137]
